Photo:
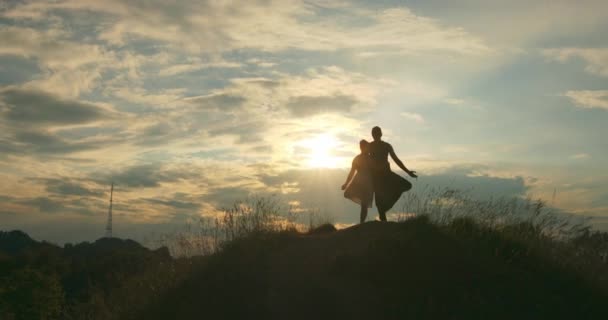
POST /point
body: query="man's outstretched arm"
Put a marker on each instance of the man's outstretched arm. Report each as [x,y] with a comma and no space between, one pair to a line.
[400,164]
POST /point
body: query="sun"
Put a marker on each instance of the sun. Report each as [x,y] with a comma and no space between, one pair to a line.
[320,151]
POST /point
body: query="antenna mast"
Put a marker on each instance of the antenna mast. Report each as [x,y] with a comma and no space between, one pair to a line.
[109,225]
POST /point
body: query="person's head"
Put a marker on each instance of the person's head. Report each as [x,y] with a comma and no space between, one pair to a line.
[376,133]
[363,145]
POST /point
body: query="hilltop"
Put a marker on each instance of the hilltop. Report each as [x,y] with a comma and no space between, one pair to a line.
[380,270]
[413,269]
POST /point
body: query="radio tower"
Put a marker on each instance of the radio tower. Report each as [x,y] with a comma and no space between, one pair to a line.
[109,225]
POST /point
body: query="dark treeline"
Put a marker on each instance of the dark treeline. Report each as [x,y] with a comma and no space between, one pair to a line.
[99,280]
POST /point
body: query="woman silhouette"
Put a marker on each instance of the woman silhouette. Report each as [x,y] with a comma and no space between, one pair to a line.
[360,188]
[388,186]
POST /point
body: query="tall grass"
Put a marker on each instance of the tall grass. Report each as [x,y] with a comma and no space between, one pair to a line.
[521,219]
[208,234]
[566,240]
[445,205]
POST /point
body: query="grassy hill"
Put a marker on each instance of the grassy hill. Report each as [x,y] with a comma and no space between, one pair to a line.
[413,269]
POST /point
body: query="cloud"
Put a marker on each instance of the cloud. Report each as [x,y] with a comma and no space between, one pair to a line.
[482,187]
[580,156]
[47,142]
[160,133]
[589,98]
[33,107]
[174,204]
[191,67]
[30,119]
[66,67]
[304,106]
[413,116]
[150,175]
[244,108]
[261,63]
[596,58]
[217,101]
[51,51]
[147,175]
[328,89]
[396,28]
[210,26]
[265,149]
[226,197]
[250,132]
[68,187]
[44,204]
[43,143]
[39,210]
[162,98]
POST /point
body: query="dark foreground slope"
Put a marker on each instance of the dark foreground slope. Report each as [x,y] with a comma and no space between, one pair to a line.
[378,270]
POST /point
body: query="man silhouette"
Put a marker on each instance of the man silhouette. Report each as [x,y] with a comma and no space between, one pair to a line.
[388,186]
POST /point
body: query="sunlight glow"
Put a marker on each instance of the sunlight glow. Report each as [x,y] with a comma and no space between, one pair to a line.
[320,151]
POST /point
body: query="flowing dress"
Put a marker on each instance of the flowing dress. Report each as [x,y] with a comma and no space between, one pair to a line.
[361,189]
[388,186]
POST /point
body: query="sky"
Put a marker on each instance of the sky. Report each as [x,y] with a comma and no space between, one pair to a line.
[191,106]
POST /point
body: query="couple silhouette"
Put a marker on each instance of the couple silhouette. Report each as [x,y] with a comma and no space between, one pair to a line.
[371,176]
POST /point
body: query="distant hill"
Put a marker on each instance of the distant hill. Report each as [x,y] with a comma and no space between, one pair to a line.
[18,242]
[408,270]
[39,280]
[13,242]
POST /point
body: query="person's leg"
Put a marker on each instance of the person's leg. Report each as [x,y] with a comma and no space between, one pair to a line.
[363,212]
[382,214]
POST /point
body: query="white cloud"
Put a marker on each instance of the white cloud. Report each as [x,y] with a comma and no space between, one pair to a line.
[160,98]
[48,46]
[580,156]
[217,26]
[67,67]
[595,58]
[413,116]
[454,101]
[261,63]
[589,98]
[190,67]
[397,29]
